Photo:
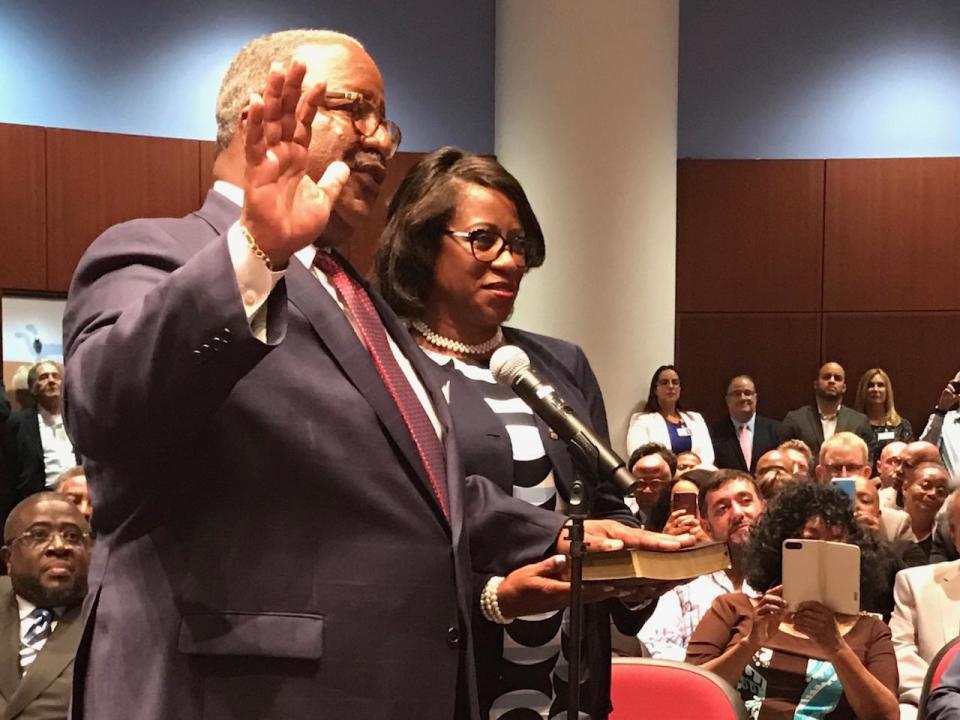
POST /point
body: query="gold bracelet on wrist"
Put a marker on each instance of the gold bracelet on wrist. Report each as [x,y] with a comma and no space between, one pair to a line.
[255,249]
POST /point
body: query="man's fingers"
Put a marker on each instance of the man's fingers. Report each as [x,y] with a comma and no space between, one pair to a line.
[310,102]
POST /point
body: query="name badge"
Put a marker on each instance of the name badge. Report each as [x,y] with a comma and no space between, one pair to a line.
[683,431]
[886,435]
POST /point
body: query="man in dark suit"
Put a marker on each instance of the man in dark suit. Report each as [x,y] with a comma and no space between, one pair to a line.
[283,527]
[47,551]
[744,431]
[815,423]
[36,444]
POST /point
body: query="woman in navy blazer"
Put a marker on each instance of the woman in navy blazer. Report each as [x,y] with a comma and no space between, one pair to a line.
[459,239]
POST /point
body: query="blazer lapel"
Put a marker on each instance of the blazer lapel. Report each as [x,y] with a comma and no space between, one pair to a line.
[57,653]
[9,643]
[340,339]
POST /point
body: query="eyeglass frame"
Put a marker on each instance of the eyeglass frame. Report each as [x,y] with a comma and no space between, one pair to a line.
[54,531]
[358,100]
[502,243]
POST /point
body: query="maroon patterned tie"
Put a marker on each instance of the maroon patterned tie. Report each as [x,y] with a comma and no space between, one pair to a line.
[375,338]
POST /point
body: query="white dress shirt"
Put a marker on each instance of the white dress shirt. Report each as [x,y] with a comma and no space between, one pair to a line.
[58,452]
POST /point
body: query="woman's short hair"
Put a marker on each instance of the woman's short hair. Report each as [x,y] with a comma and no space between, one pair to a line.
[420,213]
[653,405]
[784,519]
[859,404]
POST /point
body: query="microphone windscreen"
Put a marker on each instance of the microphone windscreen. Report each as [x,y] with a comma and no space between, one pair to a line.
[507,362]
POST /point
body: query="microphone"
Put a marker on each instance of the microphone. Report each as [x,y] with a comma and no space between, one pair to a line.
[511,366]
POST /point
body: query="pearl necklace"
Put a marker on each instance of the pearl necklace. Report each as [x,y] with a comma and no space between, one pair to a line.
[456,346]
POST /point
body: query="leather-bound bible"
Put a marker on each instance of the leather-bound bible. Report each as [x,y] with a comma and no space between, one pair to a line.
[637,567]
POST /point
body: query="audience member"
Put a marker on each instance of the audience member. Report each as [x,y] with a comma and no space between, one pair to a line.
[875,400]
[664,419]
[914,454]
[924,490]
[649,449]
[788,664]
[926,616]
[844,456]
[801,455]
[890,466]
[793,462]
[818,422]
[772,481]
[729,506]
[36,444]
[47,550]
[73,484]
[686,461]
[673,517]
[653,475]
[741,438]
[943,426]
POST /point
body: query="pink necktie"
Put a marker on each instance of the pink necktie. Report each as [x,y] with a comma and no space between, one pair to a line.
[745,443]
[375,338]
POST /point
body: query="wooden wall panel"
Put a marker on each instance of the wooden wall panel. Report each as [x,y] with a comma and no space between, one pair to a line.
[208,153]
[918,350]
[780,350]
[892,234]
[363,248]
[95,180]
[23,255]
[749,235]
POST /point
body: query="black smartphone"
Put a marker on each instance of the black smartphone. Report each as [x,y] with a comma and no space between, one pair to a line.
[955,384]
[686,501]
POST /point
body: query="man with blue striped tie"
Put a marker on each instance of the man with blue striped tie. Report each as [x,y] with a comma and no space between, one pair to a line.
[47,552]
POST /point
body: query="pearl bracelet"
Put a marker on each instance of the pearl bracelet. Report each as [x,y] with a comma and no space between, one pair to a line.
[490,603]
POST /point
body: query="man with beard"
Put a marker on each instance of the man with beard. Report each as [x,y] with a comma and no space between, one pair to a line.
[729,505]
[818,422]
[47,552]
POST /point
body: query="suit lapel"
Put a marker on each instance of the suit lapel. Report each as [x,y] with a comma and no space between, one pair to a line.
[337,334]
[813,415]
[57,653]
[9,642]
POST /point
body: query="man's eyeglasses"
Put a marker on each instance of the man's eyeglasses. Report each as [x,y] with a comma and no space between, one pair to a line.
[643,484]
[487,244]
[39,536]
[365,116]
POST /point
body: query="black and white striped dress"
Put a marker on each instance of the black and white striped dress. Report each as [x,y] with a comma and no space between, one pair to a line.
[533,667]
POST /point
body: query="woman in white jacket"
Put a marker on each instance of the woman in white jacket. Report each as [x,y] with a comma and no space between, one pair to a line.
[664,420]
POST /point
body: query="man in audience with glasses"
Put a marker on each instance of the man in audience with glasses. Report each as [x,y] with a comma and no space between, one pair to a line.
[653,475]
[47,552]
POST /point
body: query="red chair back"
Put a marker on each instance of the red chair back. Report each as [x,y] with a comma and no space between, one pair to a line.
[648,689]
[938,666]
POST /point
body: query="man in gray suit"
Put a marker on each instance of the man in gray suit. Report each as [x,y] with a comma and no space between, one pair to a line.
[47,551]
[818,422]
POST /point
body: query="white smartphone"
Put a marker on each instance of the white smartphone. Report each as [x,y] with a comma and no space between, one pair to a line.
[824,572]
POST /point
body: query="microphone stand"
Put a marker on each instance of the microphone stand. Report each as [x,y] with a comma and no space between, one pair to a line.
[586,478]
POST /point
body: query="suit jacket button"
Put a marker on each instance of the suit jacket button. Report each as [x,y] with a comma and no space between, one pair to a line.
[453,637]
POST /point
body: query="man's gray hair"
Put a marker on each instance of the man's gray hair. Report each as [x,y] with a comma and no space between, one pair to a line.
[248,71]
